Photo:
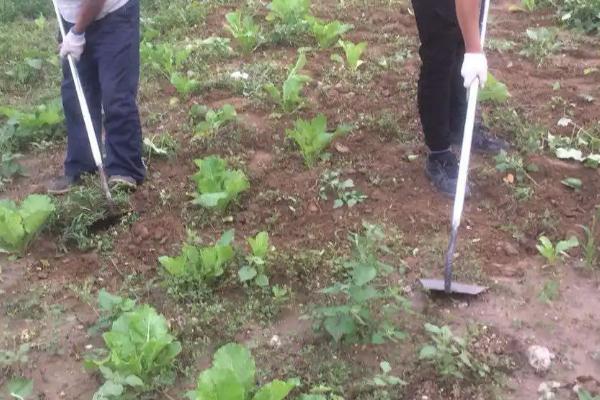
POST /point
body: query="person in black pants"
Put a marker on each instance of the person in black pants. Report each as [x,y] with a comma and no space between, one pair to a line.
[104,39]
[450,47]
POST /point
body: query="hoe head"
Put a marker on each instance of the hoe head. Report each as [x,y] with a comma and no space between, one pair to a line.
[438,285]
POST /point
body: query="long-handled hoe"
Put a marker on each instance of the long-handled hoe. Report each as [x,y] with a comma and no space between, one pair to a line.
[446,285]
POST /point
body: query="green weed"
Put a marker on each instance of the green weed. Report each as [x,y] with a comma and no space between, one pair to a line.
[541,43]
[342,190]
[450,355]
[363,310]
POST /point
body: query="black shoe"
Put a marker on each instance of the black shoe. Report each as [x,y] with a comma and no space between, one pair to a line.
[124,182]
[483,140]
[442,170]
[62,184]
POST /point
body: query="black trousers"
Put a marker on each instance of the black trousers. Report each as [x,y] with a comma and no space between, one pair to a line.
[441,93]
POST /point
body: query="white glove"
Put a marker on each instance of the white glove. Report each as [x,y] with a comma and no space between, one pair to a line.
[474,66]
[73,44]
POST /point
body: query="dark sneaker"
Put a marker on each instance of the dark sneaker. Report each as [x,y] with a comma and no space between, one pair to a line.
[61,184]
[483,141]
[442,170]
[122,182]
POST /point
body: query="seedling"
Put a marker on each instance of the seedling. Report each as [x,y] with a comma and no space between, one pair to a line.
[215,120]
[312,137]
[328,33]
[163,57]
[385,379]
[232,376]
[243,28]
[217,186]
[343,190]
[515,164]
[494,91]
[256,267]
[289,98]
[140,355]
[24,127]
[553,253]
[202,265]
[20,224]
[450,354]
[353,53]
[288,12]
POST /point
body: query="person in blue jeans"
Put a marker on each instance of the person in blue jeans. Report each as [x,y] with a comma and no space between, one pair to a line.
[104,39]
[452,58]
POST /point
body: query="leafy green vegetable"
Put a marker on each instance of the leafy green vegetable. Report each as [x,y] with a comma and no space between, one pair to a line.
[494,91]
[353,53]
[164,57]
[244,30]
[201,264]
[141,355]
[217,185]
[288,12]
[312,137]
[232,377]
[257,260]
[110,308]
[289,98]
[19,225]
[573,183]
[328,33]
[215,119]
[24,127]
[552,253]
[580,14]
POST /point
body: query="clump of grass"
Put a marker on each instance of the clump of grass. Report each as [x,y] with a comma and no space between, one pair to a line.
[83,212]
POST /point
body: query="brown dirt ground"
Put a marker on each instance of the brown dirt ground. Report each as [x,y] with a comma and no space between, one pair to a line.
[399,196]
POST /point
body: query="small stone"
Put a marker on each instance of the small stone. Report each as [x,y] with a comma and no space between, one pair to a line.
[313,208]
[463,305]
[275,341]
[89,346]
[540,358]
[510,249]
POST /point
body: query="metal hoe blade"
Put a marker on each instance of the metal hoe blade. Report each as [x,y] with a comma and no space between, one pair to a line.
[438,285]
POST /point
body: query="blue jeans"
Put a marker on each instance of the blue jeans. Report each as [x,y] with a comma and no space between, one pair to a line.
[109,70]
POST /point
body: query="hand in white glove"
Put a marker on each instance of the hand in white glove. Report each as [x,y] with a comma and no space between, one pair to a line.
[474,66]
[73,44]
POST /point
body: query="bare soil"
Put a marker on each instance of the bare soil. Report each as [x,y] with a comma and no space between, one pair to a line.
[40,305]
